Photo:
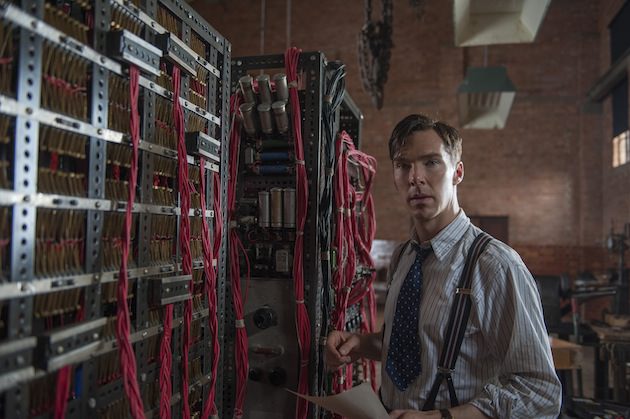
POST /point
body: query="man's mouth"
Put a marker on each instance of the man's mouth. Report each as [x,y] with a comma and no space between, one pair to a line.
[418,199]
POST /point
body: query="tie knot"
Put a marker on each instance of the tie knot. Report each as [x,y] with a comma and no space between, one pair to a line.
[421,251]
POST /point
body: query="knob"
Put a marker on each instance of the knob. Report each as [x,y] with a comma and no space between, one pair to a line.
[255,374]
[278,376]
[265,317]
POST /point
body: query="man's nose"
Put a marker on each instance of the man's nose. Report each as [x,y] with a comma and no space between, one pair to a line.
[416,174]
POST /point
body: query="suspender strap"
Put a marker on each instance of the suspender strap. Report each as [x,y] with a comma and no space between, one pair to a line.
[457,321]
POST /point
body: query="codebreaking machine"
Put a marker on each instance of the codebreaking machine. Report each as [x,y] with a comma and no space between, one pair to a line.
[293,262]
[175,240]
[102,102]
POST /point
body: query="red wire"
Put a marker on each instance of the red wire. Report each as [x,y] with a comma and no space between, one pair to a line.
[126,353]
[210,407]
[241,347]
[184,231]
[354,229]
[63,391]
[166,359]
[303,325]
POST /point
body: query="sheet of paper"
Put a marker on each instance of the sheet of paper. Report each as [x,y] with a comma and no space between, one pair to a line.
[359,402]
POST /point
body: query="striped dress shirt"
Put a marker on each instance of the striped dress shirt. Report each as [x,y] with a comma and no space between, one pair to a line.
[505,368]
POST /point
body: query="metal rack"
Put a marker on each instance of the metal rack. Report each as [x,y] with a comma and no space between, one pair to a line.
[269,311]
[267,395]
[33,346]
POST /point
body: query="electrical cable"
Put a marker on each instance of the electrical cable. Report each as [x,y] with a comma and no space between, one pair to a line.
[241,346]
[210,408]
[185,189]
[303,325]
[123,326]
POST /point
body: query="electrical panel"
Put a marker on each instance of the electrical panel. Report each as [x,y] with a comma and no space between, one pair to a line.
[110,304]
[276,276]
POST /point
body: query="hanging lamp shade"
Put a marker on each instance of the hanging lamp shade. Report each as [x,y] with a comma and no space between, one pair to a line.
[485,98]
[487,22]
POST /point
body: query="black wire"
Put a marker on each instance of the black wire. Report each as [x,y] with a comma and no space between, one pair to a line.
[333,97]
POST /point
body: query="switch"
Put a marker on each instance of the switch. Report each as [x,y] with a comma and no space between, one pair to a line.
[265,317]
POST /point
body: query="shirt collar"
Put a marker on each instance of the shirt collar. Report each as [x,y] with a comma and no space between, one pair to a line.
[450,235]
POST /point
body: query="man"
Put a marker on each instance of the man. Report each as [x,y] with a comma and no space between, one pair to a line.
[505,368]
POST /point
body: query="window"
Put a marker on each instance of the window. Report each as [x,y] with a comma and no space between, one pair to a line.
[620,141]
[620,149]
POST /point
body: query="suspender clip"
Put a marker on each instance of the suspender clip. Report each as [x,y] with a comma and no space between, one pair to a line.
[445,371]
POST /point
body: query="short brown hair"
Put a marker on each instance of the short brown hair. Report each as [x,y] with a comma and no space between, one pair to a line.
[417,122]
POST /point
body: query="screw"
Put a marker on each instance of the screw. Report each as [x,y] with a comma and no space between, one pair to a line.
[92,403]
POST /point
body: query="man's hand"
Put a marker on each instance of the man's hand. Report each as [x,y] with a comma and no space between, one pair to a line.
[414,414]
[341,348]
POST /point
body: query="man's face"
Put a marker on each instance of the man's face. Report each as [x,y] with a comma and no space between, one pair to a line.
[426,178]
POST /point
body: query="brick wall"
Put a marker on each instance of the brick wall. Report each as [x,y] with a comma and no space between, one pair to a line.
[547,170]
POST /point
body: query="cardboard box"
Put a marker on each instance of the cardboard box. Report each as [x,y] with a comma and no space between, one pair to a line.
[566,355]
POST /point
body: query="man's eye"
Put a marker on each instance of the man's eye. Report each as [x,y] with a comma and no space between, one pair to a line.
[402,165]
[432,162]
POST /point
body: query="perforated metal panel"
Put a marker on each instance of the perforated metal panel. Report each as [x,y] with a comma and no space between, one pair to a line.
[64,164]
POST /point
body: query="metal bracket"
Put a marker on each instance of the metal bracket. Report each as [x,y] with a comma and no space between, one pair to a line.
[177,52]
[127,47]
[170,290]
[198,143]
[69,345]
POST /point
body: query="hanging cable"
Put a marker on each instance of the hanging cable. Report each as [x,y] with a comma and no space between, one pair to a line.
[354,233]
[63,391]
[302,320]
[241,347]
[184,231]
[333,97]
[123,326]
[210,408]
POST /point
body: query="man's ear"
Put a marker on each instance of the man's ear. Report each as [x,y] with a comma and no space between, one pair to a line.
[458,174]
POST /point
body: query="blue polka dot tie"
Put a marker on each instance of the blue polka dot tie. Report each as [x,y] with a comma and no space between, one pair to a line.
[403,356]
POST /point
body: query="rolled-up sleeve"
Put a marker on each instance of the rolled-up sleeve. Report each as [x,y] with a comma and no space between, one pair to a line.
[512,321]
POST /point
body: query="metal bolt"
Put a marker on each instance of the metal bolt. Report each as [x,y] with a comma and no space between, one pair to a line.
[99,131]
[26,198]
[143,377]
[29,111]
[102,60]
[59,349]
[20,360]
[97,204]
[92,402]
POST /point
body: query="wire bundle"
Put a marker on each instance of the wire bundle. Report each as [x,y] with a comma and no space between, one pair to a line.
[353,240]
[345,259]
[184,187]
[241,355]
[334,93]
[210,407]
[123,326]
[302,321]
